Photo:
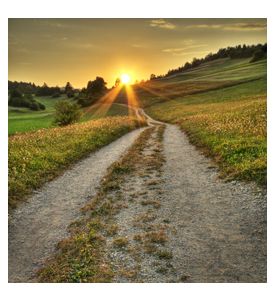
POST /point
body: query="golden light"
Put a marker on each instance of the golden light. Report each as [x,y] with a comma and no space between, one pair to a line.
[125,78]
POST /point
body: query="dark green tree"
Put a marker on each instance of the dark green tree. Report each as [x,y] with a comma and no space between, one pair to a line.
[97,86]
[152,76]
[69,90]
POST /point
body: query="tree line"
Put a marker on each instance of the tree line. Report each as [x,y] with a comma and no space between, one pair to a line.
[21,93]
[256,52]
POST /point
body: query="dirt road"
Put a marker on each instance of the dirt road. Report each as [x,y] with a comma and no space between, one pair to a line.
[184,224]
[36,226]
[177,221]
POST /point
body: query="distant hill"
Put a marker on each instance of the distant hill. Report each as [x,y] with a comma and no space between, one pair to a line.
[255,52]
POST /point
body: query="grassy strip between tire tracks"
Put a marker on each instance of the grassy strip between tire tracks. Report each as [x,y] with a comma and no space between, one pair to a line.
[81,257]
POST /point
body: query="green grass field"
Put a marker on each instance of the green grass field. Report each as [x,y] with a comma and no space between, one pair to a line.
[23,119]
[222,108]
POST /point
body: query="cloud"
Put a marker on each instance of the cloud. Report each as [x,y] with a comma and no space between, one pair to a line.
[246,26]
[160,23]
[83,46]
[182,51]
[233,26]
[194,53]
[137,46]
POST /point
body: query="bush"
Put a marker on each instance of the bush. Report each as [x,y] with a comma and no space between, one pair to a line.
[258,55]
[41,106]
[66,113]
[70,94]
[84,102]
[56,95]
[34,106]
[15,94]
[18,102]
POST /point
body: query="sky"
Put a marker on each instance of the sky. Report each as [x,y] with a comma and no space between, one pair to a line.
[77,50]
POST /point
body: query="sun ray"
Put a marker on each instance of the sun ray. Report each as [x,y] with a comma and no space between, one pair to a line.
[105,102]
[153,92]
[132,99]
[133,104]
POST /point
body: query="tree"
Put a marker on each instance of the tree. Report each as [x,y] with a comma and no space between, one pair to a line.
[34,106]
[97,86]
[117,82]
[66,113]
[45,90]
[15,94]
[258,55]
[18,100]
[69,90]
[152,76]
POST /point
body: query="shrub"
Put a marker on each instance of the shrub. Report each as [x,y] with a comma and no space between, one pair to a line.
[56,95]
[34,106]
[258,55]
[41,106]
[15,94]
[66,113]
[18,102]
[70,94]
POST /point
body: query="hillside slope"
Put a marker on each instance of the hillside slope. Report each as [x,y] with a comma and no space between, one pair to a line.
[222,107]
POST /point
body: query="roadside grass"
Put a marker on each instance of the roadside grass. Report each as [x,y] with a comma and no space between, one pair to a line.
[39,156]
[228,124]
[24,120]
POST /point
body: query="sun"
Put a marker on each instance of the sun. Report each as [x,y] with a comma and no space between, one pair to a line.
[125,78]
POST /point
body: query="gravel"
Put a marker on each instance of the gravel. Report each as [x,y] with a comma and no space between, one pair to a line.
[219,228]
[216,230]
[36,226]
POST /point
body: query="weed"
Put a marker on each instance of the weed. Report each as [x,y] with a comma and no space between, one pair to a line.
[120,242]
[164,254]
[154,203]
[158,237]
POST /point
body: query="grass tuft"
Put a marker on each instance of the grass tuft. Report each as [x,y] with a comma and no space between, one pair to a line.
[120,242]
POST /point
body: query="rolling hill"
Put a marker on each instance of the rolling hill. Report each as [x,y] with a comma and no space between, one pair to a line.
[221,105]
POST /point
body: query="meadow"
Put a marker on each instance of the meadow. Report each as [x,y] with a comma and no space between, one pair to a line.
[39,156]
[24,120]
[227,122]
